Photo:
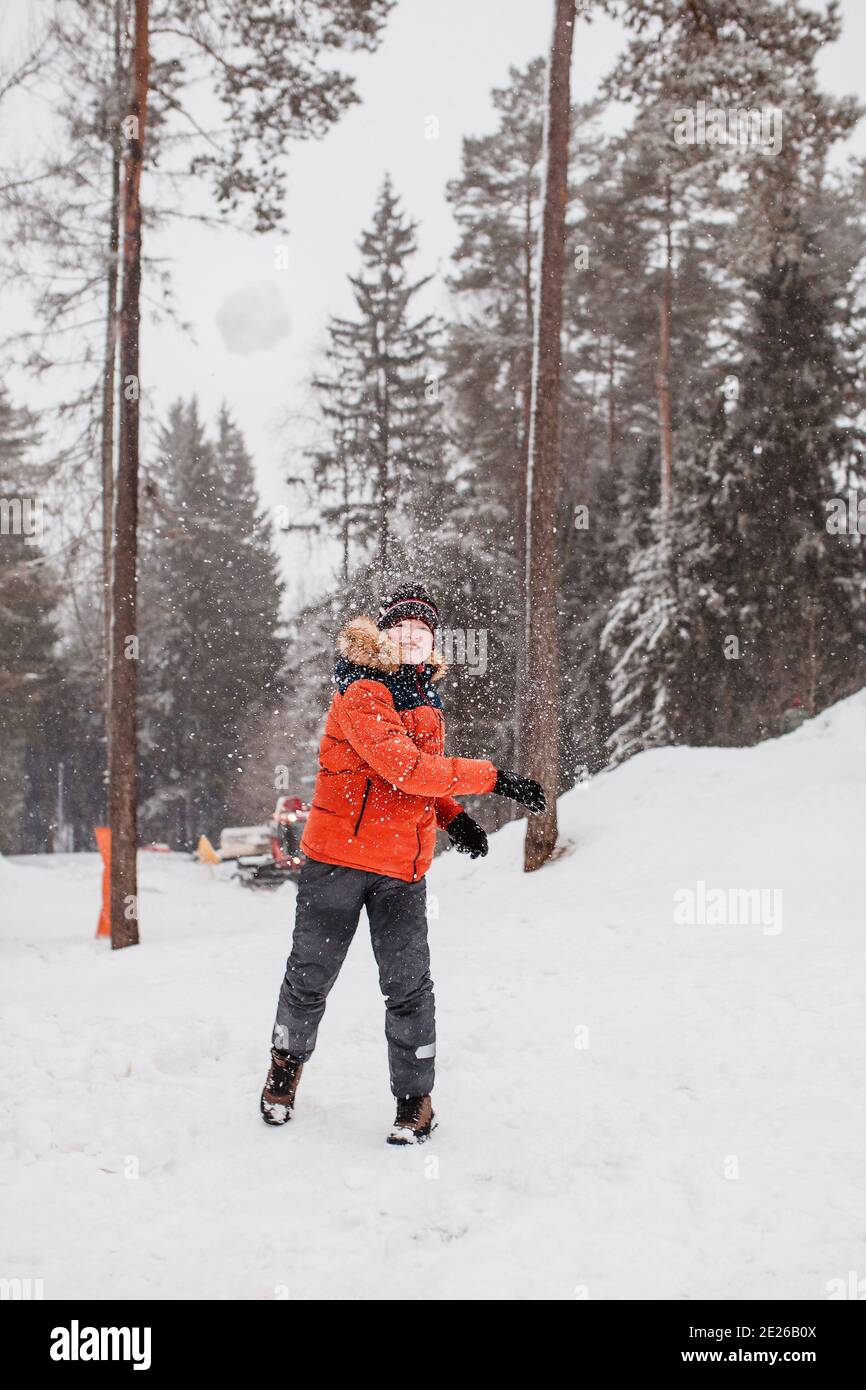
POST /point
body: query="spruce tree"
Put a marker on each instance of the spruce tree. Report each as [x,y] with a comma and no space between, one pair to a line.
[383,474]
[795,588]
[28,633]
[210,644]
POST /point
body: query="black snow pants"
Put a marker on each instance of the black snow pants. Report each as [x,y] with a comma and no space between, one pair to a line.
[330,898]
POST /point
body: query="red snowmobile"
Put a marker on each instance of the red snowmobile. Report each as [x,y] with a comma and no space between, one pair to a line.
[285,859]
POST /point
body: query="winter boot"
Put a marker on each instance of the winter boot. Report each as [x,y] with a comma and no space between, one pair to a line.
[415,1120]
[278,1097]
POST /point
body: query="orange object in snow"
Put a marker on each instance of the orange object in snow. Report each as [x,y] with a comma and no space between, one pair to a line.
[206,852]
[103,844]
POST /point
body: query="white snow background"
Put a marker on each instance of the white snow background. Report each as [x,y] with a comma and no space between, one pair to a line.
[707,1142]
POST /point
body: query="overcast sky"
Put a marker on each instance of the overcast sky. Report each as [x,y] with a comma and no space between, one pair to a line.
[439,58]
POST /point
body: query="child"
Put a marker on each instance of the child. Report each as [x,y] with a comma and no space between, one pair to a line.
[383,786]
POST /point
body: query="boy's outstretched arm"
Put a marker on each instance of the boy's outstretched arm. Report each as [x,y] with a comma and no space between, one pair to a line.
[375,730]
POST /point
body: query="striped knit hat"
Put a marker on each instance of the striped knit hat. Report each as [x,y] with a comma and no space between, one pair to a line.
[409,601]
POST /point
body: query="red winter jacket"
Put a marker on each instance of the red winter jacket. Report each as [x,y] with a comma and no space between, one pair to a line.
[384,783]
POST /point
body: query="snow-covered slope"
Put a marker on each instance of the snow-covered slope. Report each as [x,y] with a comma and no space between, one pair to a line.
[629,1107]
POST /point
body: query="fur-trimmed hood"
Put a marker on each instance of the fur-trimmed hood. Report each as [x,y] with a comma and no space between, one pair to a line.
[364,643]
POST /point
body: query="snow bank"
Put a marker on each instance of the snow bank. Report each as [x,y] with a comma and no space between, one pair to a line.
[630,1106]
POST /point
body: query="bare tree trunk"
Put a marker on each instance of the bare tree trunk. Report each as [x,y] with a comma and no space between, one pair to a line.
[344,535]
[384,491]
[663,374]
[542,579]
[342,450]
[520,670]
[611,407]
[812,658]
[109,374]
[123,809]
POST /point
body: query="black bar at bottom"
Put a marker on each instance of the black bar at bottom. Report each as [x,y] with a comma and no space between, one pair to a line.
[268,1339]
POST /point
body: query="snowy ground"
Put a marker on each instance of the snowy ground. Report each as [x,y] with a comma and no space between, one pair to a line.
[629,1107]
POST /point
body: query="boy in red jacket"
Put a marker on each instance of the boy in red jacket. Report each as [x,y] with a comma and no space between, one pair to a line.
[384,785]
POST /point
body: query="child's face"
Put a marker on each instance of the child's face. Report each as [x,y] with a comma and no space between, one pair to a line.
[413,639]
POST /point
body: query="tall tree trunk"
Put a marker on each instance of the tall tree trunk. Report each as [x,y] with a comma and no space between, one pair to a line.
[542,578]
[611,407]
[344,528]
[123,809]
[520,669]
[110,358]
[384,490]
[663,374]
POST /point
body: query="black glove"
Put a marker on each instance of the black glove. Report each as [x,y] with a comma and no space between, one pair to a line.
[467,835]
[522,789]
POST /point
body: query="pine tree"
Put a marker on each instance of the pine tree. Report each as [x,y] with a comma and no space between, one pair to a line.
[796,589]
[210,648]
[383,474]
[28,631]
[496,203]
[611,319]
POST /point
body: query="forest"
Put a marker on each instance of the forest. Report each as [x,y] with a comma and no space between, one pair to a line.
[703,579]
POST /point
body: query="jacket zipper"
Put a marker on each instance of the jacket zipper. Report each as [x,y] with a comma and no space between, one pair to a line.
[363,804]
[423,694]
